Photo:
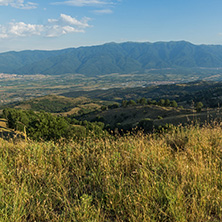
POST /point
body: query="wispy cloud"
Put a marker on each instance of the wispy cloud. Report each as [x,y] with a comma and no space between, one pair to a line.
[55,27]
[21,4]
[81,3]
[103,11]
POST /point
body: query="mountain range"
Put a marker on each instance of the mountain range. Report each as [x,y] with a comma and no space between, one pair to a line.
[128,57]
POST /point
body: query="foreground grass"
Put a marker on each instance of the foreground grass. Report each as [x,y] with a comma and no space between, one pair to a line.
[173,177]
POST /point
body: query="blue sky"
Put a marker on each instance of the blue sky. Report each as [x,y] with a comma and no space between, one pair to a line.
[57,24]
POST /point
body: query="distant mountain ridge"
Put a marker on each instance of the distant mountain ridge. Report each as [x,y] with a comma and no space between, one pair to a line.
[128,57]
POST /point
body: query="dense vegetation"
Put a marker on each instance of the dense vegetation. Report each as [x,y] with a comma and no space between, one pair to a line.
[172,177]
[45,126]
[109,58]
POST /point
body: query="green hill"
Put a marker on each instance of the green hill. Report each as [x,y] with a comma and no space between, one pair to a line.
[58,104]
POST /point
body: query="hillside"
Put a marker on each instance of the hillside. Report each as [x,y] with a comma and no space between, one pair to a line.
[210,93]
[58,104]
[129,117]
[128,57]
[172,177]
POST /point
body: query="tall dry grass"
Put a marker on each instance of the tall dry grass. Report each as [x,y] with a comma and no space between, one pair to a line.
[176,176]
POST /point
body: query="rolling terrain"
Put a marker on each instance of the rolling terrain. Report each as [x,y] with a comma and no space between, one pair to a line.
[125,109]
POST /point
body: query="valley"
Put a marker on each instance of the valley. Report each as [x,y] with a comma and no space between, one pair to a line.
[14,87]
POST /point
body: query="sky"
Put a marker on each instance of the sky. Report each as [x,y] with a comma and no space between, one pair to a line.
[59,24]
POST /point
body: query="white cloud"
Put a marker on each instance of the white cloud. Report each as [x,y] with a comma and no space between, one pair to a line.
[103,11]
[68,20]
[21,4]
[56,30]
[55,27]
[81,3]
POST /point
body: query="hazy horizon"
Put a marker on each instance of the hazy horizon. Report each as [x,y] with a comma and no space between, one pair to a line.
[59,24]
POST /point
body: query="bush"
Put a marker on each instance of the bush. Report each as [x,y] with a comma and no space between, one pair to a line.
[199,106]
[146,125]
[131,103]
[103,108]
[143,101]
[113,106]
[173,104]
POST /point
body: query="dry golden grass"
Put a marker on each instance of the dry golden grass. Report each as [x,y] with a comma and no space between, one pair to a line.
[89,106]
[176,176]
[3,123]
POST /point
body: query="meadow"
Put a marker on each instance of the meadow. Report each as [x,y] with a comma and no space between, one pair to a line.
[173,176]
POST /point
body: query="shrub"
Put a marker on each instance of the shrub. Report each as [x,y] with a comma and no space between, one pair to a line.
[146,125]
[199,106]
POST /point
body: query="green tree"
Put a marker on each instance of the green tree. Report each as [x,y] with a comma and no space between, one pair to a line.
[103,108]
[173,104]
[124,103]
[161,102]
[131,103]
[199,106]
[143,101]
[167,102]
[113,106]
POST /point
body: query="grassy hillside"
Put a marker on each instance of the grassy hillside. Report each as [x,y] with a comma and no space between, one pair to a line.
[58,104]
[133,114]
[171,177]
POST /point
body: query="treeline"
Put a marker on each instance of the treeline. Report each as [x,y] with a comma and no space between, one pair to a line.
[142,101]
[45,126]
[52,106]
